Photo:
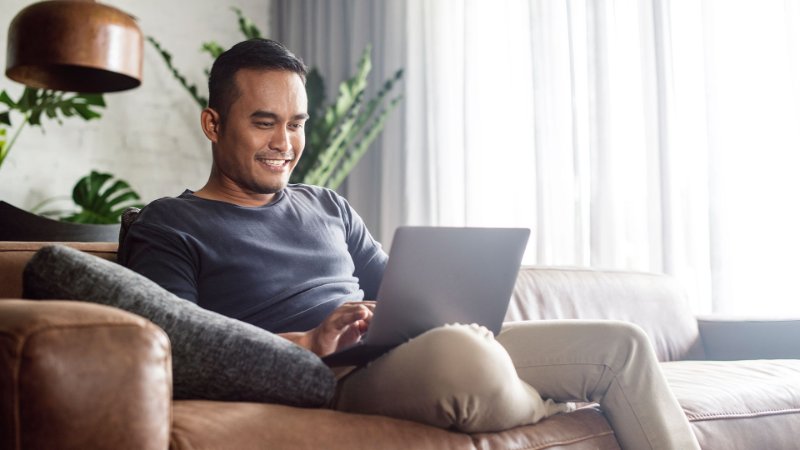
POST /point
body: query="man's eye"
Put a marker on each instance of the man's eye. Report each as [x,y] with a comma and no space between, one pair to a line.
[265,124]
[296,125]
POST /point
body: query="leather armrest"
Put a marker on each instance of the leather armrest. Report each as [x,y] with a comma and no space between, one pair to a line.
[742,339]
[80,375]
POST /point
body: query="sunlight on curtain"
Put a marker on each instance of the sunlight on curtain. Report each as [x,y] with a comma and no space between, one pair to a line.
[471,160]
[646,135]
[550,117]
[498,116]
[753,85]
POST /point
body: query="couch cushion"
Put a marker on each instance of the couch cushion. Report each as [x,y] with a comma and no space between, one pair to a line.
[14,256]
[586,428]
[126,220]
[214,357]
[740,404]
[212,425]
[200,424]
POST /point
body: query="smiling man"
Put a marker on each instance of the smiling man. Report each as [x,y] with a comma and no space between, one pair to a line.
[298,261]
[286,258]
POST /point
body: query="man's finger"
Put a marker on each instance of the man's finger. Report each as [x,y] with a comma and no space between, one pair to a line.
[367,303]
[345,317]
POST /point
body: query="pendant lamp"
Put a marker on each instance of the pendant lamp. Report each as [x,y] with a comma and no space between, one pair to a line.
[75,45]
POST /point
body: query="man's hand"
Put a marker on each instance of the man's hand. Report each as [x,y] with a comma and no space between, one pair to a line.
[343,327]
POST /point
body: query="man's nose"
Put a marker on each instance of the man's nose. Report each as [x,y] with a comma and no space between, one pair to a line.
[279,140]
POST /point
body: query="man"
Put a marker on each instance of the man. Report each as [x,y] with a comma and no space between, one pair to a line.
[297,260]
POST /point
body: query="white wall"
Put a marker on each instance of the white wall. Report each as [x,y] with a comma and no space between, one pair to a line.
[149,136]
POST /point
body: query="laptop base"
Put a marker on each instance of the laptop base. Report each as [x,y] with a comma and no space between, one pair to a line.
[356,355]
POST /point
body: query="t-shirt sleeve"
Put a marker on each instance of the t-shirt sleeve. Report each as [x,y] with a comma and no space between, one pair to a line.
[368,255]
[163,256]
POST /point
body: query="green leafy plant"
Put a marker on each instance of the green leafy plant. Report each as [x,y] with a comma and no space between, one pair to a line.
[246,26]
[94,200]
[100,199]
[337,135]
[36,104]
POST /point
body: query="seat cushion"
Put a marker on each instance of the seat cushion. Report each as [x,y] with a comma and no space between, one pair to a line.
[203,424]
[584,429]
[740,404]
[214,357]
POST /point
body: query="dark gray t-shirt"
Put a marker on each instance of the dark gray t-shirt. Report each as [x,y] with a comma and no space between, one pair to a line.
[283,266]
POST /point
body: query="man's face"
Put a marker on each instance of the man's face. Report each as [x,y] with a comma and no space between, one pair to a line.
[262,137]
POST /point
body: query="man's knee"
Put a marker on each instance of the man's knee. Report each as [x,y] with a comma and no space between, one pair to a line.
[629,347]
[628,334]
[465,374]
[480,389]
[463,357]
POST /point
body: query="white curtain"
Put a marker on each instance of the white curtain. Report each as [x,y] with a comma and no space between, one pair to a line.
[558,116]
[752,61]
[633,134]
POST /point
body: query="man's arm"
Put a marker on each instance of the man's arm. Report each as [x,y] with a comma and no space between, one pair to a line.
[163,256]
[368,256]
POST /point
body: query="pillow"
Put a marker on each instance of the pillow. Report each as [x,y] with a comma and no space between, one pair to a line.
[214,357]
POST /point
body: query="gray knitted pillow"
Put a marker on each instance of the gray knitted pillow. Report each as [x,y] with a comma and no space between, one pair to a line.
[213,357]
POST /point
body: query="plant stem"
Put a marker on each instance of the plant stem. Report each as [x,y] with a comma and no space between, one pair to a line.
[13,139]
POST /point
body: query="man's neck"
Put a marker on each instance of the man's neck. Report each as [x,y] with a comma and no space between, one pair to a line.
[219,193]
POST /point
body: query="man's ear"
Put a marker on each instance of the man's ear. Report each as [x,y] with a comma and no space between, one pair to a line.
[210,122]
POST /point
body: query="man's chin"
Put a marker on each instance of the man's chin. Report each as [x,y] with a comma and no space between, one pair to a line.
[269,189]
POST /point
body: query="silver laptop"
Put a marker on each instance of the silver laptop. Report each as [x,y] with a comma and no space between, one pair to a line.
[436,276]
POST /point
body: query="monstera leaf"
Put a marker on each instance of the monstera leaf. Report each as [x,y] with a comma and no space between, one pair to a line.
[102,199]
[36,104]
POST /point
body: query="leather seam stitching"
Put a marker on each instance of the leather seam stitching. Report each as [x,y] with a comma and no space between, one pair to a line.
[547,444]
[742,415]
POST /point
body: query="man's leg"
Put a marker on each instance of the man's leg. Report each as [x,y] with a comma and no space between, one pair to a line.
[608,362]
[455,377]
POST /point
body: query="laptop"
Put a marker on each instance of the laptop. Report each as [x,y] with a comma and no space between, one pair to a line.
[437,276]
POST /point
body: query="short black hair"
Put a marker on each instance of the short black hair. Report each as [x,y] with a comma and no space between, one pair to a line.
[256,53]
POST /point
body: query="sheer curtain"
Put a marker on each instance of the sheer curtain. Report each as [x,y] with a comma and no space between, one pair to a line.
[559,116]
[752,56]
[633,134]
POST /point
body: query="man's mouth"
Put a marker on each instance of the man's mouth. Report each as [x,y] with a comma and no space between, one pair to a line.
[274,162]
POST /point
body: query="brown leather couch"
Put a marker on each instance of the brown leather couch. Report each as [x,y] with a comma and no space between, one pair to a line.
[84,376]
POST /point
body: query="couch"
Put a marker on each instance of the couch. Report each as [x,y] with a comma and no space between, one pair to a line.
[85,376]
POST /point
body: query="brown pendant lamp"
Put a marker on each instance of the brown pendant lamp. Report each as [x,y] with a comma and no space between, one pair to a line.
[75,45]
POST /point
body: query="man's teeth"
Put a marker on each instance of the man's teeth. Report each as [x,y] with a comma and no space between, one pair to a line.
[273,162]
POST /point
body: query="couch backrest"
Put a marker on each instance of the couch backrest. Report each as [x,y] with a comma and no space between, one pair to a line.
[655,302]
[14,256]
